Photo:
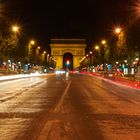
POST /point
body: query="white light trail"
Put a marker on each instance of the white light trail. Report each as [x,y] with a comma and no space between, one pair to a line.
[20,76]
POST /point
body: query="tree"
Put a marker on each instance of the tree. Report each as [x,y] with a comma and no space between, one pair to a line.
[8,45]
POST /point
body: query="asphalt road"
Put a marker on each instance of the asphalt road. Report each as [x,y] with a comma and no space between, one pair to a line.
[77,107]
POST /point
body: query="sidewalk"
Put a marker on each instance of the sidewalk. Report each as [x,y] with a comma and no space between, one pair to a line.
[131,82]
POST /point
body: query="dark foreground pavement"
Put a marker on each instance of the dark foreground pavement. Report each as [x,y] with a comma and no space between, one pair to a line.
[79,107]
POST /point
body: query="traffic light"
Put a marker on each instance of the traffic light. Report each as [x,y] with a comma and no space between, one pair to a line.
[67,62]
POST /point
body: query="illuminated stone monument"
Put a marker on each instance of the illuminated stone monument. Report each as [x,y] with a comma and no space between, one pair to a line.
[61,48]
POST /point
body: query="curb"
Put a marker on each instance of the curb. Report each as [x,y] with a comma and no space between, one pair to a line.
[119,80]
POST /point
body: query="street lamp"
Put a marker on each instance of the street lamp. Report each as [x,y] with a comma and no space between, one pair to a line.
[15,28]
[91,52]
[103,42]
[118,30]
[32,42]
[98,49]
[44,52]
[31,51]
[125,61]
[120,50]
[44,57]
[38,50]
[13,41]
[91,58]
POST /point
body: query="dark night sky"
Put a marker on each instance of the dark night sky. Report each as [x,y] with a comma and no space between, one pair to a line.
[45,19]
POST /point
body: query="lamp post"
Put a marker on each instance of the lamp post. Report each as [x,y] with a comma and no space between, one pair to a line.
[113,47]
[31,43]
[98,49]
[37,55]
[15,28]
[30,50]
[13,42]
[38,50]
[120,47]
[103,42]
[91,58]
[44,57]
[118,30]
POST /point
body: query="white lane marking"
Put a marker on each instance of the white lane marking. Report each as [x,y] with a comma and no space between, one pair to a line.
[59,104]
[47,128]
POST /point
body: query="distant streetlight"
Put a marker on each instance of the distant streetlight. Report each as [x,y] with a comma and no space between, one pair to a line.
[118,30]
[91,57]
[32,42]
[120,43]
[15,28]
[134,62]
[91,52]
[125,61]
[38,50]
[97,47]
[31,51]
[103,52]
[13,40]
[103,42]
[44,57]
[44,52]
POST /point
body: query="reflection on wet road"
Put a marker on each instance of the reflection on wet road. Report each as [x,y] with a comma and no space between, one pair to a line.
[61,108]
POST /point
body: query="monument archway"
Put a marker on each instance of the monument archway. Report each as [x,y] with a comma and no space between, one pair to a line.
[68,61]
[62,47]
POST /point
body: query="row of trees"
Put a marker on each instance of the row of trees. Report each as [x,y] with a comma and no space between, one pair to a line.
[12,46]
[8,46]
[124,45]
[15,48]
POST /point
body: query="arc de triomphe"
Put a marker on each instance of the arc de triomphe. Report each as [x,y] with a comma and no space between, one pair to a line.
[60,47]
